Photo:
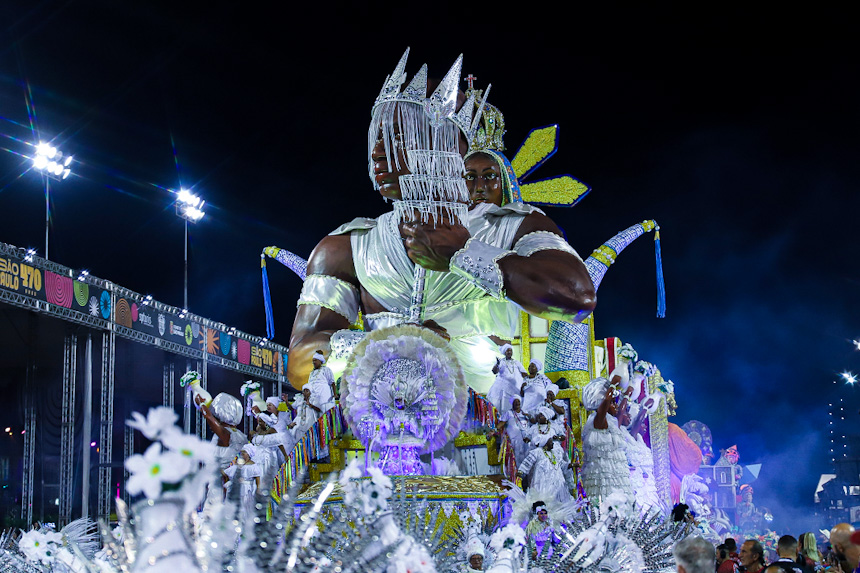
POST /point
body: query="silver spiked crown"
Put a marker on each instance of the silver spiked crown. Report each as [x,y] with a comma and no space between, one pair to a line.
[442,103]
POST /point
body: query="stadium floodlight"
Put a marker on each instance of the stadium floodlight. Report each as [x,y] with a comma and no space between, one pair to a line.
[50,162]
[189,207]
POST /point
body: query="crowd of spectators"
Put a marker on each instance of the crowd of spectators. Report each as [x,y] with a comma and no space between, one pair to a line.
[839,554]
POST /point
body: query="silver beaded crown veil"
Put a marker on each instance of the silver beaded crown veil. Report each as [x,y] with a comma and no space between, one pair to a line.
[427,128]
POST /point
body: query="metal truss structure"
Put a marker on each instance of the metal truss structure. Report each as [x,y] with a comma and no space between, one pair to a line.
[110,330]
[67,430]
[29,440]
[106,425]
[167,396]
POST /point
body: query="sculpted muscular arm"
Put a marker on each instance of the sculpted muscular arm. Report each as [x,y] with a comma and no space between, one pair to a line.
[315,324]
[551,284]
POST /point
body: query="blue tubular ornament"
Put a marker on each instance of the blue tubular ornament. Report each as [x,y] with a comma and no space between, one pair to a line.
[290,260]
[567,344]
[661,286]
[267,300]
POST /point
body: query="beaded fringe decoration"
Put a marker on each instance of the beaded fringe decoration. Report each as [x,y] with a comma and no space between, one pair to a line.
[406,126]
[434,212]
[437,164]
[508,458]
[433,188]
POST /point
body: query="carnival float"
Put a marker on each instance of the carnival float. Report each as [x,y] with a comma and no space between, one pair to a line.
[411,468]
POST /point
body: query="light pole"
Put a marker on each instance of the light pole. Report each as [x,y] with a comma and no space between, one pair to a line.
[190,207]
[49,161]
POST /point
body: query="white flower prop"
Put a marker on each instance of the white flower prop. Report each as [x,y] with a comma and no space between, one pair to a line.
[153,469]
[156,421]
[253,394]
[248,387]
[188,446]
[370,495]
[349,482]
[592,539]
[379,479]
[616,502]
[175,462]
[411,557]
[645,368]
[351,472]
[628,352]
[510,536]
[40,546]
[376,492]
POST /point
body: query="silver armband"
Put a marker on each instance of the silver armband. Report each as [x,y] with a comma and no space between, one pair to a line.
[331,293]
[543,241]
[478,263]
[343,342]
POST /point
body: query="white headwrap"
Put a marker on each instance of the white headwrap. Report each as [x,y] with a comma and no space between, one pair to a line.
[553,387]
[475,547]
[594,393]
[227,408]
[547,413]
[274,401]
[537,363]
[251,449]
[318,356]
[504,347]
[541,439]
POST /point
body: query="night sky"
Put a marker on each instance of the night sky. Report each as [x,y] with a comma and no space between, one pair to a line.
[736,131]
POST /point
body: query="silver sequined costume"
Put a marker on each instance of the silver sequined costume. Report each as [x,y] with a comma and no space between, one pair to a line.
[605,469]
[467,312]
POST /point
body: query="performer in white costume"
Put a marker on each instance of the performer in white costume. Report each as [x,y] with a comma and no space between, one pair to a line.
[222,416]
[306,413]
[475,267]
[541,427]
[250,472]
[535,385]
[509,377]
[640,461]
[516,423]
[604,470]
[321,382]
[269,458]
[548,469]
[475,553]
[282,440]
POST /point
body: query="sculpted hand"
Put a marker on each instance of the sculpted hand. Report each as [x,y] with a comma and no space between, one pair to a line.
[432,246]
[435,327]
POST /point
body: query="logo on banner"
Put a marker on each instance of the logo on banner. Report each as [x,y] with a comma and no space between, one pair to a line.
[16,276]
[189,334]
[144,319]
[175,330]
[161,324]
